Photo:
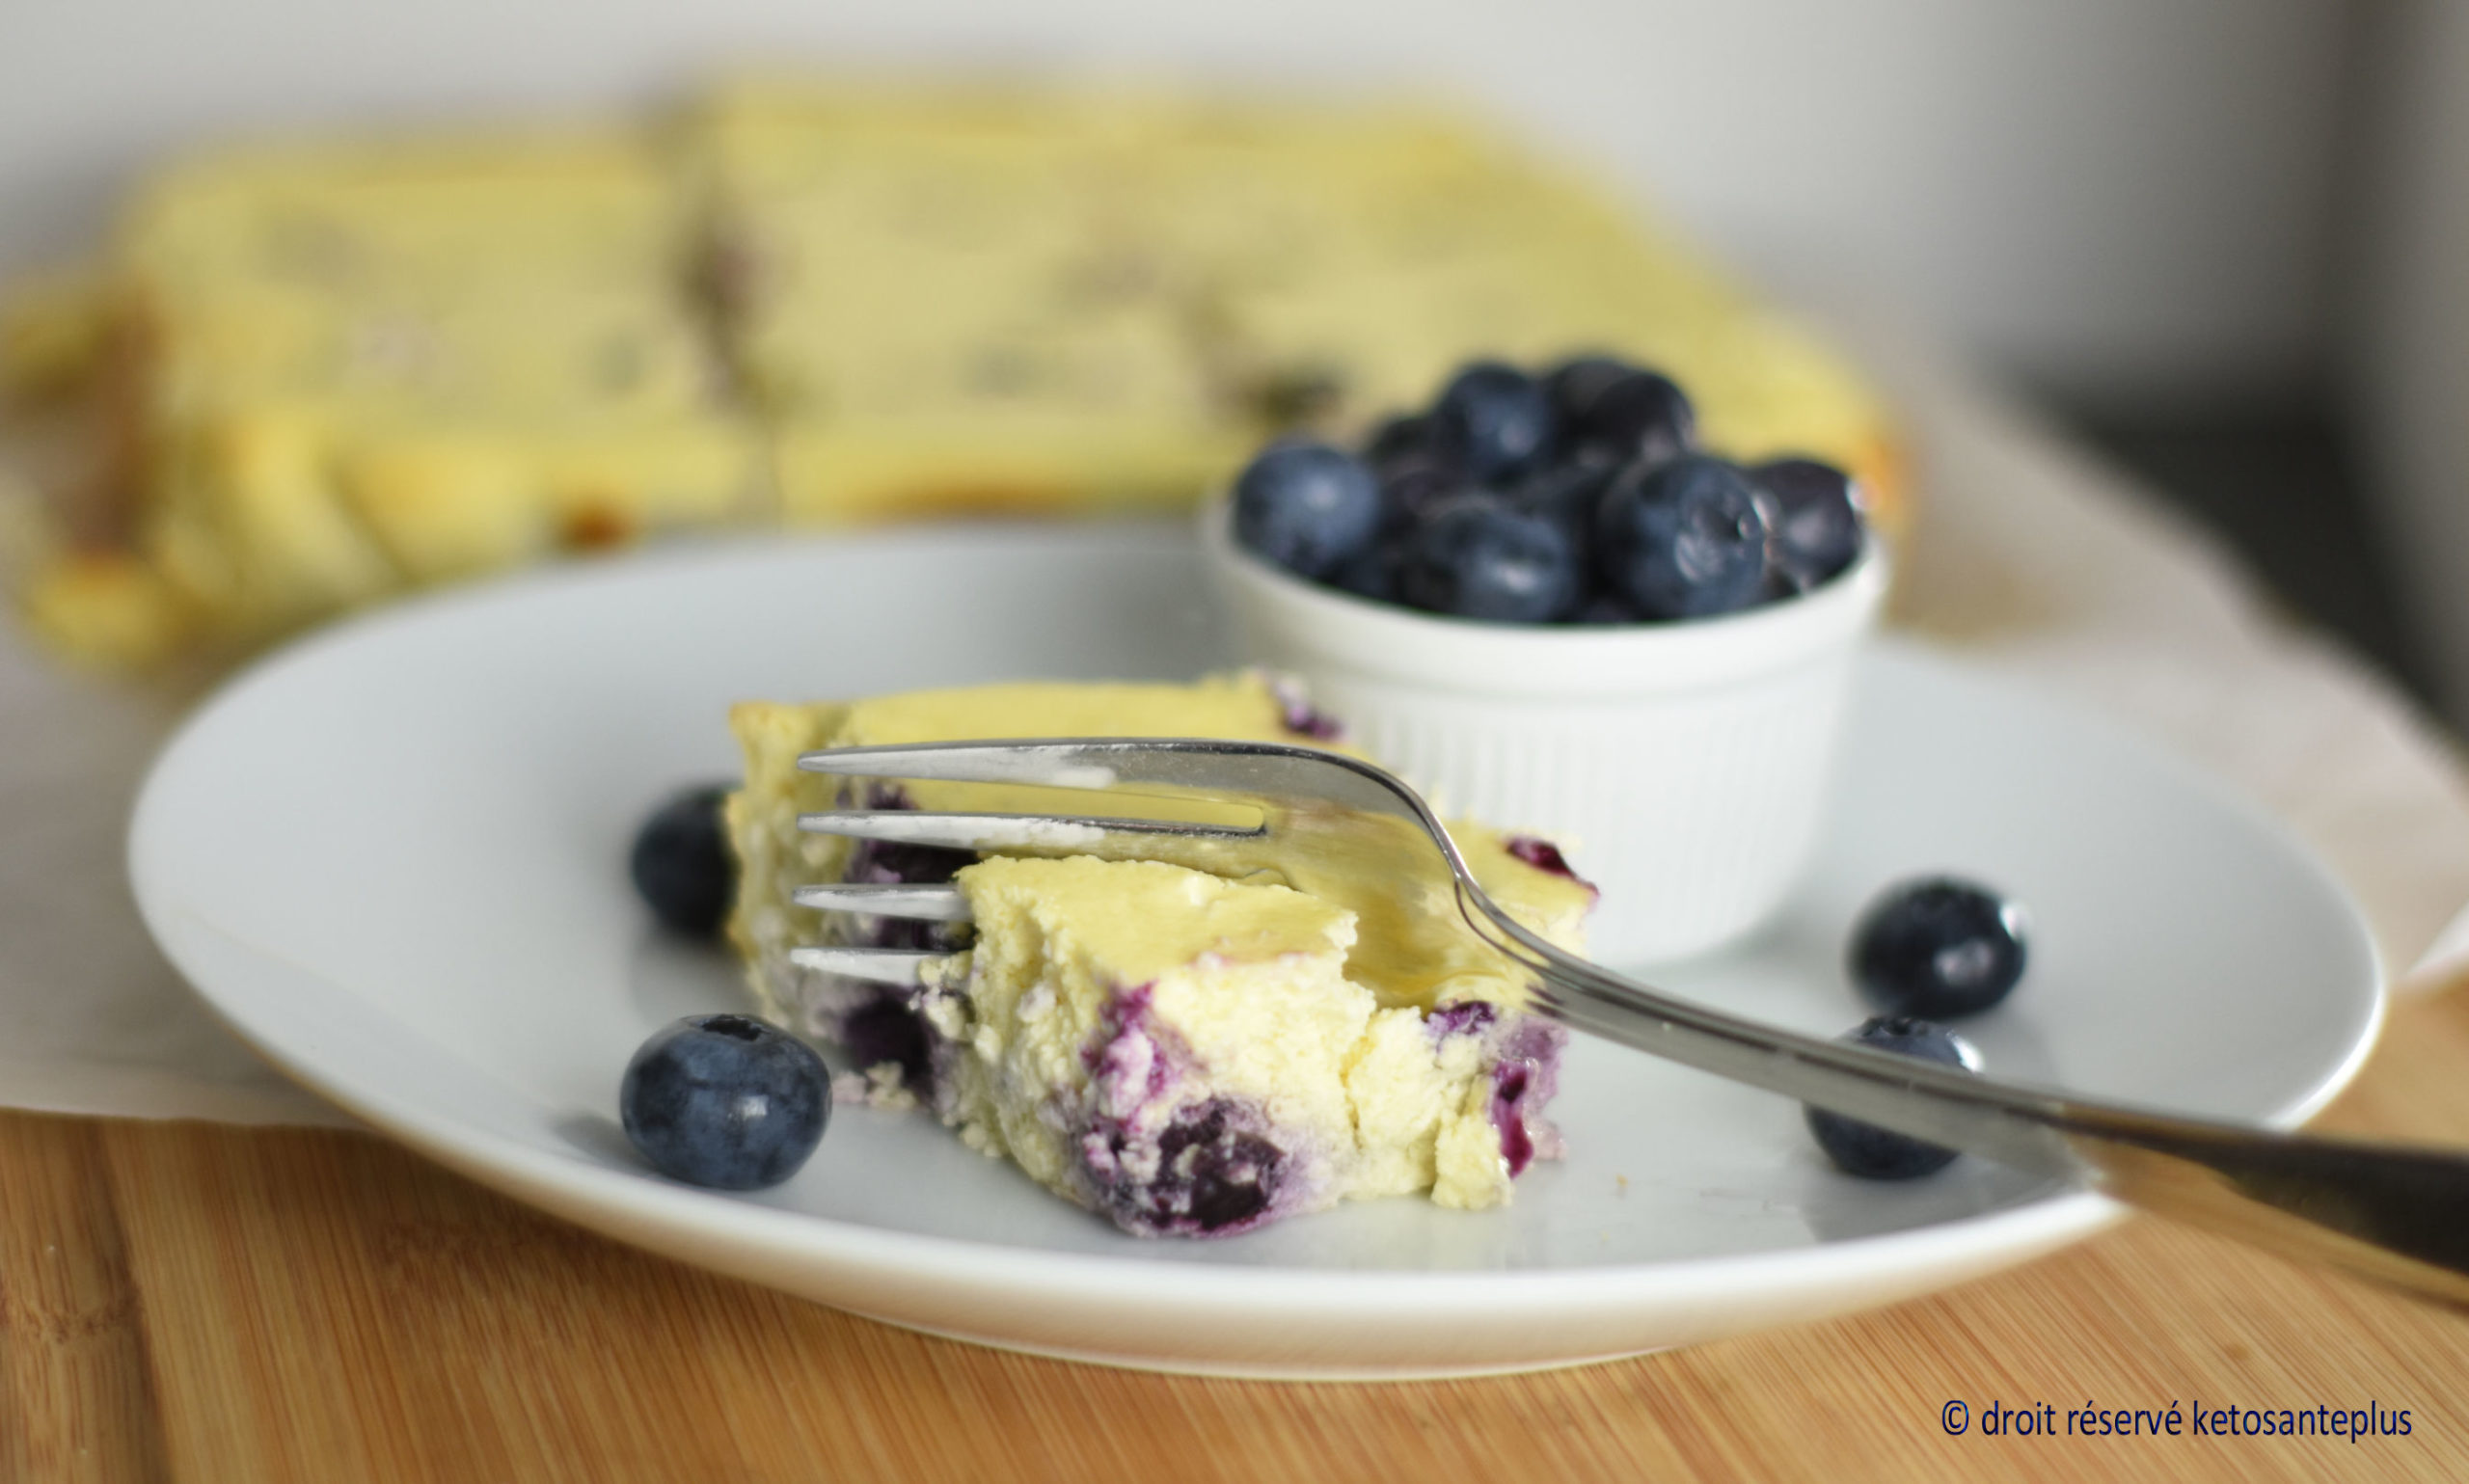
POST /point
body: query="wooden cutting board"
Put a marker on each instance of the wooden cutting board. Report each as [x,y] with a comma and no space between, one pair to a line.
[192,1302]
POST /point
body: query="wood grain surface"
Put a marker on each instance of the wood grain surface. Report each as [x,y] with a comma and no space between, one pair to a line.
[192,1302]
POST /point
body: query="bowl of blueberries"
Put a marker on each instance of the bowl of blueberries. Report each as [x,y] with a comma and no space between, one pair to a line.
[1544,604]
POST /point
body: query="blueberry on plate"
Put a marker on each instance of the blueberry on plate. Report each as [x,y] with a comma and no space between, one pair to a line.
[1475,557]
[1814,517]
[1497,420]
[1875,1153]
[681,863]
[726,1102]
[1306,506]
[1642,417]
[1683,539]
[1938,947]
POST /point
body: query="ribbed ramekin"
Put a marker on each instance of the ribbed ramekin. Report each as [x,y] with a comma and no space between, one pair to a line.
[1682,768]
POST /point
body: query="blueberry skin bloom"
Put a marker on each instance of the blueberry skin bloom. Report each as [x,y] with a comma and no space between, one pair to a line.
[726,1102]
[1875,1153]
[1940,947]
[1814,517]
[1497,420]
[681,863]
[1683,539]
[1306,506]
[1477,559]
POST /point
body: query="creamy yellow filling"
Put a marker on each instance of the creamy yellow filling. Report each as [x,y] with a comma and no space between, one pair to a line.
[1412,946]
[1248,982]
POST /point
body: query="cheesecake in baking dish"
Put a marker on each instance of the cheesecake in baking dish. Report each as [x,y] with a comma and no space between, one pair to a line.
[329,372]
[1185,1051]
[351,369]
[1025,299]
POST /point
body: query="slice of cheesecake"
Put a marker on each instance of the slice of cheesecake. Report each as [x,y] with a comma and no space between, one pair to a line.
[1184,1051]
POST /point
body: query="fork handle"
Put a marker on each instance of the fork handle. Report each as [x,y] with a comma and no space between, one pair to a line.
[2389,1212]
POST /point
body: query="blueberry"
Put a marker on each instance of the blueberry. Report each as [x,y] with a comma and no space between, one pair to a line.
[1575,383]
[1210,1174]
[1814,517]
[726,1102]
[1409,498]
[885,863]
[1604,608]
[1540,853]
[1415,438]
[1230,1174]
[1567,494]
[886,1027]
[1642,417]
[1306,506]
[1937,947]
[1372,573]
[1416,470]
[1496,419]
[1876,1153]
[1298,715]
[890,862]
[1477,559]
[681,862]
[1683,539]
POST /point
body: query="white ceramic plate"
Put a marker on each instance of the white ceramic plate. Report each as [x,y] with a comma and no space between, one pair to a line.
[392,858]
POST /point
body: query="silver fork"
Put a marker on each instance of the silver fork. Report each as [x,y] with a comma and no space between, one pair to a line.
[2390,1212]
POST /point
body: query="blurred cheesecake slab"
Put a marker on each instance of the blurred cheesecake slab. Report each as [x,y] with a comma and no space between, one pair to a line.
[344,370]
[327,372]
[1038,301]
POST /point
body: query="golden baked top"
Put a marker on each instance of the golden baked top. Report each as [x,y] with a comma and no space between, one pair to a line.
[1396,951]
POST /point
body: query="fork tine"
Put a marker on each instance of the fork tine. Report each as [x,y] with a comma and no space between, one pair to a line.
[1007,831]
[1071,763]
[1262,774]
[941,903]
[908,967]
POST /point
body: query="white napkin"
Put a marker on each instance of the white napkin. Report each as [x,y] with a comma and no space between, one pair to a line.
[2029,556]
[91,1019]
[2034,558]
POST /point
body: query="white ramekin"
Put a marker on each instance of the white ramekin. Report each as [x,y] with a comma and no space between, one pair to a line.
[1682,768]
